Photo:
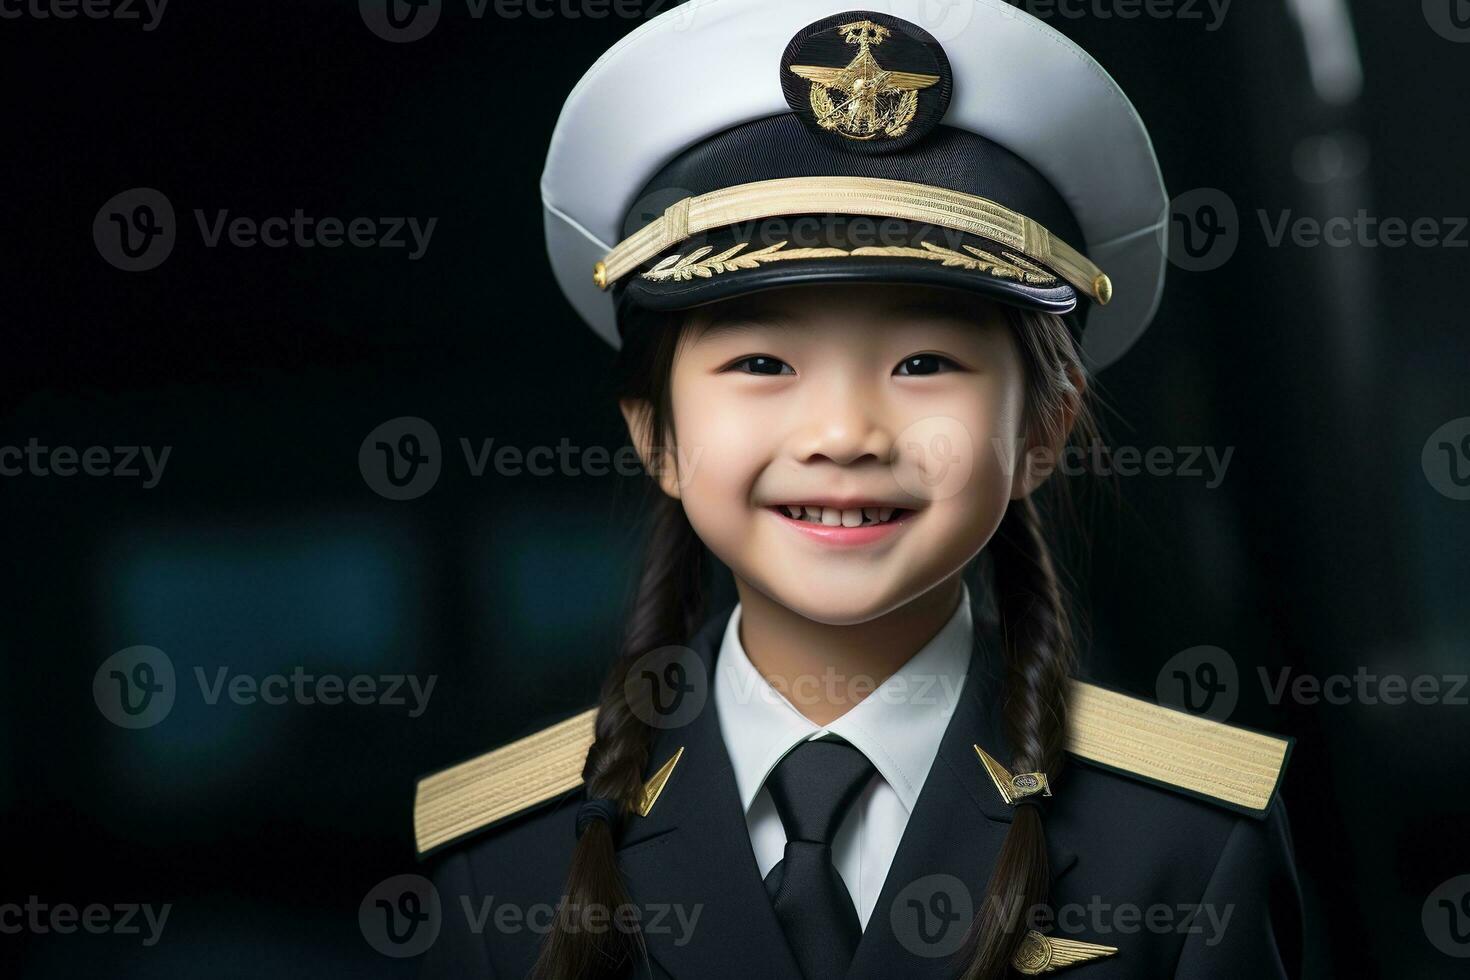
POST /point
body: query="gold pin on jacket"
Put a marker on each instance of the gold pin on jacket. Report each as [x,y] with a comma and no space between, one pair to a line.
[1225,764]
[657,782]
[1013,787]
[1039,954]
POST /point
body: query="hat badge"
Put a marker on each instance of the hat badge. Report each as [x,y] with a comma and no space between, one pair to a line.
[863,101]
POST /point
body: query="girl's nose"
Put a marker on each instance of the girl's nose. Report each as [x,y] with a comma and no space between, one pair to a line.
[841,427]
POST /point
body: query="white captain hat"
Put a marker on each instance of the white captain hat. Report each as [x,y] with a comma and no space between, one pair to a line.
[733,146]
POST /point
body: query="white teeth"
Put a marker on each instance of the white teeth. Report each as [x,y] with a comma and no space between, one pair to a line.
[837,516]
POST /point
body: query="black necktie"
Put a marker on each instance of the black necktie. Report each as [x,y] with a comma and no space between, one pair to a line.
[812,787]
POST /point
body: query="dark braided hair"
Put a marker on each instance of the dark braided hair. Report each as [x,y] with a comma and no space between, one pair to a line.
[667,609]
[1037,640]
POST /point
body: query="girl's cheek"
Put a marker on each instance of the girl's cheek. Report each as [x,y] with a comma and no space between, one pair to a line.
[965,448]
[734,439]
[1001,455]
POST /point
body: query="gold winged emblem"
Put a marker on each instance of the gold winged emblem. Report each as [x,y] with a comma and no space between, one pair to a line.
[1039,954]
[1013,788]
[870,103]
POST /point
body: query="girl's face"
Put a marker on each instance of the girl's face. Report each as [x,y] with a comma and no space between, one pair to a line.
[843,450]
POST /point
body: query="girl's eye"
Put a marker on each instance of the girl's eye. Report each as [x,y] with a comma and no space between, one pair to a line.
[924,364]
[760,364]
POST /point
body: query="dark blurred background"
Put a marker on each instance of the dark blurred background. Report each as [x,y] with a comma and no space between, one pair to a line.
[1337,542]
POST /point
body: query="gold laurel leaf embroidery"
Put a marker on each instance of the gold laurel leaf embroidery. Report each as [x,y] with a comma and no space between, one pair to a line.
[994,264]
[683,268]
[903,115]
[823,108]
[1034,273]
[1012,267]
[719,260]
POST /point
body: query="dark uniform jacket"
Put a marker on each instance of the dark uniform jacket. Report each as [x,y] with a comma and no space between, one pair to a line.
[1148,880]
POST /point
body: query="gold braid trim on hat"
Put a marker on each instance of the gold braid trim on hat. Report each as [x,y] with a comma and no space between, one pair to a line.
[867,196]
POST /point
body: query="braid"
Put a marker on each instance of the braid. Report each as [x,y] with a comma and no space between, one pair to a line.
[1038,640]
[666,605]
[666,610]
[1038,662]
[1039,659]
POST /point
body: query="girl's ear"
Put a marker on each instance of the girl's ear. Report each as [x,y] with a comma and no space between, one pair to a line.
[1047,437]
[658,461]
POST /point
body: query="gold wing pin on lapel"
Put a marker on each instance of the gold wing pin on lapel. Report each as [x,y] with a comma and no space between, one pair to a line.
[1013,787]
[657,782]
[872,102]
[1039,954]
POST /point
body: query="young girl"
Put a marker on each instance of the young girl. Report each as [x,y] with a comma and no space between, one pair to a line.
[855,328]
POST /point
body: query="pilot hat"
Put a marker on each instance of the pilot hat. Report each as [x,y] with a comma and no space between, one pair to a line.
[732,146]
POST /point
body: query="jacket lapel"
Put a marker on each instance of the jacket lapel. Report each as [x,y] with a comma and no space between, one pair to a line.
[949,848]
[690,860]
[692,874]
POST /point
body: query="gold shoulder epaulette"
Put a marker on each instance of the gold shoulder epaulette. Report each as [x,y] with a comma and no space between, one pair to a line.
[1237,767]
[473,795]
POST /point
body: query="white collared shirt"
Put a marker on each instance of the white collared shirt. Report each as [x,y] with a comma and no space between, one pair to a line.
[898,727]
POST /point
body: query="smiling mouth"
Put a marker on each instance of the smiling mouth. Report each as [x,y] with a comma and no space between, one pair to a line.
[842,517]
